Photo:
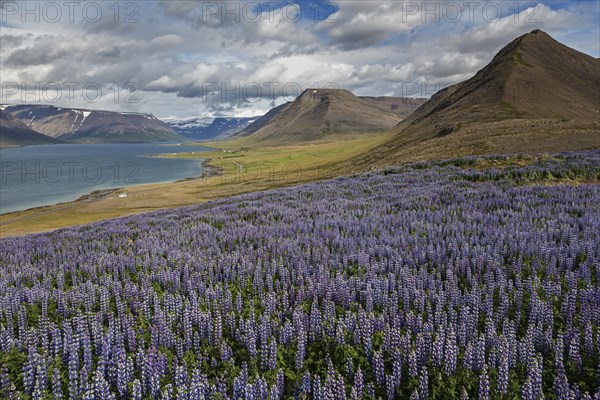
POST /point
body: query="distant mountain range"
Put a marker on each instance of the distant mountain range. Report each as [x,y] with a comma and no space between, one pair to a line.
[208,128]
[88,126]
[536,95]
[315,114]
[43,124]
[320,113]
[13,132]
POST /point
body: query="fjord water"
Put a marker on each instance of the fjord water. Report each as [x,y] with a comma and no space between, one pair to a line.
[36,176]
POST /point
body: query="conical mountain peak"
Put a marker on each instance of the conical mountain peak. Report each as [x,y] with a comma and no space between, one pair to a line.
[535,94]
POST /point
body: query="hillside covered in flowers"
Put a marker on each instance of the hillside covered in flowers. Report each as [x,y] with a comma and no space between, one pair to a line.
[476,278]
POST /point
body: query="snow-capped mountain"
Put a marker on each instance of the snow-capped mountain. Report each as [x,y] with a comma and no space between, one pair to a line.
[199,128]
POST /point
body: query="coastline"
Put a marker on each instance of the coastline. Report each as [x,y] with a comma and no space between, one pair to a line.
[284,166]
[89,197]
[97,194]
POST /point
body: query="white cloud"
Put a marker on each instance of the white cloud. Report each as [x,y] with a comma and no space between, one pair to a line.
[174,53]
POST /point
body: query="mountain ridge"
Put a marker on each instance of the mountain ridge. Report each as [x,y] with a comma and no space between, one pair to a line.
[320,113]
[92,126]
[536,94]
[505,88]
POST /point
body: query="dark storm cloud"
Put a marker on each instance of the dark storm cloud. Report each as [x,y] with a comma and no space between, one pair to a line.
[107,25]
[357,39]
[43,52]
[8,42]
[292,50]
[112,52]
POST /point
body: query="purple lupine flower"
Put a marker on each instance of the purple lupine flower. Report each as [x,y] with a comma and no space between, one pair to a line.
[300,350]
[101,387]
[339,335]
[349,368]
[503,367]
[390,387]
[29,369]
[359,382]
[450,352]
[41,376]
[260,389]
[167,392]
[574,353]
[527,391]
[535,372]
[370,389]
[136,390]
[280,382]
[273,354]
[306,380]
[424,383]
[588,339]
[412,363]
[57,391]
[378,368]
[484,384]
[397,368]
[438,349]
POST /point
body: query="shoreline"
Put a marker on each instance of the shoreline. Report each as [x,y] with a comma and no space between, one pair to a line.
[206,171]
[308,163]
[93,195]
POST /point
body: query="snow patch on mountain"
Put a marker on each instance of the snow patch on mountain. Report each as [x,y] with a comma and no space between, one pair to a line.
[203,128]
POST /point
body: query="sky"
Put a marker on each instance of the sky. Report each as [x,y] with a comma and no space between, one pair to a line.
[181,59]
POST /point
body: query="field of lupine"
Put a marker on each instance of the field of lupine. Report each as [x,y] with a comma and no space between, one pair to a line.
[432,280]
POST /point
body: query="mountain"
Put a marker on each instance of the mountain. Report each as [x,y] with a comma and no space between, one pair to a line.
[209,128]
[402,106]
[92,125]
[263,120]
[14,133]
[535,95]
[320,113]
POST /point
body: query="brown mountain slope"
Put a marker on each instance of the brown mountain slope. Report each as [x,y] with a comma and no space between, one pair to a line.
[319,113]
[14,133]
[93,125]
[402,106]
[535,95]
[262,121]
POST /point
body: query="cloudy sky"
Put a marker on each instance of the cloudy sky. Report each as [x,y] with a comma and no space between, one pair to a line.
[240,58]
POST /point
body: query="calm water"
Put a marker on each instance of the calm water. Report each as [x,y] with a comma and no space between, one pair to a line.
[35,176]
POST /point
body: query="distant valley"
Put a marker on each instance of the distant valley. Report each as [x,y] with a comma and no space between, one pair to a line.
[196,128]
